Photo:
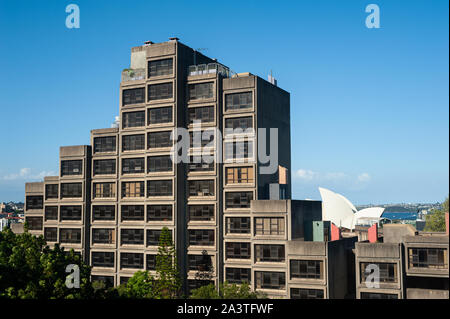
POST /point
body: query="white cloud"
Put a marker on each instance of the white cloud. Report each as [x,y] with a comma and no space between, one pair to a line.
[364,177]
[306,175]
[25,173]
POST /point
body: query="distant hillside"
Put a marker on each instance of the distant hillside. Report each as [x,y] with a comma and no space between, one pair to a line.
[399,209]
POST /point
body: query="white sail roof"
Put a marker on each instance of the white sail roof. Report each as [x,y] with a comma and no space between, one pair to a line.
[341,212]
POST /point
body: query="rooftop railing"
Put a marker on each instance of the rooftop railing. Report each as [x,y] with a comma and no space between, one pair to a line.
[211,68]
[133,75]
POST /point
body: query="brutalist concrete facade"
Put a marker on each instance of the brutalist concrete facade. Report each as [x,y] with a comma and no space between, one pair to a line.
[413,265]
[112,197]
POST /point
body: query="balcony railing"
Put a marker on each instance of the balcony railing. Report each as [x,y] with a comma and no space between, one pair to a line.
[211,68]
[133,75]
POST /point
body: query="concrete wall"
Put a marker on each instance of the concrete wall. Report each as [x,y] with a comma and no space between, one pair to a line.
[341,268]
[415,293]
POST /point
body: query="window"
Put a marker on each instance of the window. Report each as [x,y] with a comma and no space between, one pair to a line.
[124,280]
[270,280]
[104,190]
[151,262]
[237,101]
[153,236]
[71,168]
[132,237]
[239,175]
[201,91]
[159,188]
[372,295]
[70,213]
[133,96]
[199,164]
[238,150]
[103,212]
[50,234]
[388,272]
[237,250]
[160,91]
[303,293]
[269,253]
[104,167]
[160,67]
[51,213]
[201,237]
[159,139]
[133,165]
[34,202]
[306,269]
[133,189]
[133,119]
[269,226]
[131,260]
[103,236]
[132,212]
[238,199]
[104,144]
[34,223]
[70,235]
[201,212]
[51,191]
[434,258]
[103,259]
[201,187]
[159,164]
[160,115]
[159,212]
[238,225]
[234,123]
[238,275]
[202,139]
[200,262]
[133,142]
[204,114]
[71,190]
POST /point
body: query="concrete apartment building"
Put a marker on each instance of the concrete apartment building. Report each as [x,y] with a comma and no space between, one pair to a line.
[412,264]
[113,197]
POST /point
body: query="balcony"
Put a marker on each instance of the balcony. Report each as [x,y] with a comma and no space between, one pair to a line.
[211,68]
[133,75]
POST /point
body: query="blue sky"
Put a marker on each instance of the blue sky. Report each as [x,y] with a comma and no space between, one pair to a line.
[369,107]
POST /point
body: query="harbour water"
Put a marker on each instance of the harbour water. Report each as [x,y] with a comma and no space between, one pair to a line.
[400,216]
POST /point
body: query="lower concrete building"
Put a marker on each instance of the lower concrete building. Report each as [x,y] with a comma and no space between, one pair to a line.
[410,264]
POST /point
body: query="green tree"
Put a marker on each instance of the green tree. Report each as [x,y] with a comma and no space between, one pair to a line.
[141,285]
[30,269]
[226,291]
[167,281]
[435,221]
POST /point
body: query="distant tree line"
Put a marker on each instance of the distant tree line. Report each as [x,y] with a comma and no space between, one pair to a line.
[435,221]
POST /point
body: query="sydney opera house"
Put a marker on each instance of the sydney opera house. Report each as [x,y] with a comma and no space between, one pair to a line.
[341,212]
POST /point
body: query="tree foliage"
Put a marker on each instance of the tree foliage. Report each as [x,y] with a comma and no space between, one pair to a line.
[141,285]
[167,281]
[435,221]
[226,291]
[30,269]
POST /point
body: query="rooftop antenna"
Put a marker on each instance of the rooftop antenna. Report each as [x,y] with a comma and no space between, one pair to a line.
[272,79]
